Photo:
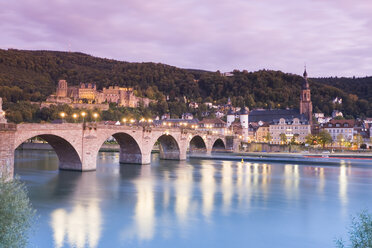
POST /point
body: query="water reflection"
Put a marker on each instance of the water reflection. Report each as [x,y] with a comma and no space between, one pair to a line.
[145,207]
[208,188]
[291,181]
[81,226]
[227,188]
[239,182]
[183,188]
[342,180]
[166,194]
[144,212]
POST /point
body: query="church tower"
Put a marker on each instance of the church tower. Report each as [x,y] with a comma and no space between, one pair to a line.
[306,106]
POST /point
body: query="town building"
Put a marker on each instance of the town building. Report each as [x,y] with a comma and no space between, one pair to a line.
[187,116]
[321,119]
[214,125]
[336,113]
[165,116]
[294,129]
[340,130]
[261,132]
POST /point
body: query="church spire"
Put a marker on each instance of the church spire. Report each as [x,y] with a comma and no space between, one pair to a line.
[306,106]
[305,84]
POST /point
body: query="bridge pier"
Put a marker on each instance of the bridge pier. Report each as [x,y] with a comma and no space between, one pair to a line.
[7,135]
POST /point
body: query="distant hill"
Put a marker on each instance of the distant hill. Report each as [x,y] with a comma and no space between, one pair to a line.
[33,75]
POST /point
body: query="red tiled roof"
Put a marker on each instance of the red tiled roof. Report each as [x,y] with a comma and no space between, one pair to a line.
[212,121]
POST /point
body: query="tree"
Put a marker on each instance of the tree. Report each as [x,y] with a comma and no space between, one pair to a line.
[283,138]
[340,139]
[360,232]
[324,138]
[358,140]
[294,138]
[268,137]
[311,139]
[16,213]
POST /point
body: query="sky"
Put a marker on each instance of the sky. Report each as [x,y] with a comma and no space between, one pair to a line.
[332,37]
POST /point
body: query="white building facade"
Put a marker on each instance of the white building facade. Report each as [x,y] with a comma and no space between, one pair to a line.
[291,128]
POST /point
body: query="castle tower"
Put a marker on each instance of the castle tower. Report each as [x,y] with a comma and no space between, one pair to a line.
[230,117]
[244,123]
[62,88]
[2,113]
[244,118]
[306,106]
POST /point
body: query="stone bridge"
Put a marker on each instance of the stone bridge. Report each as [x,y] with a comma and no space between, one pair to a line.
[77,145]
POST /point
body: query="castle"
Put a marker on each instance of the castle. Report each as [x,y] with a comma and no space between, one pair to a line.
[2,113]
[87,93]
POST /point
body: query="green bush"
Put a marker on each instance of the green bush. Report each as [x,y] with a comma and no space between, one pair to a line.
[16,213]
[360,232]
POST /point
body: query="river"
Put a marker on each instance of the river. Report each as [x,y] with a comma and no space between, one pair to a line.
[193,203]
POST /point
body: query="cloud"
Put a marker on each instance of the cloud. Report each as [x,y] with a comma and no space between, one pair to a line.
[332,37]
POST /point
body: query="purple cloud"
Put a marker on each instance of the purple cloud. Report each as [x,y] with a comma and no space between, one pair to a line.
[332,37]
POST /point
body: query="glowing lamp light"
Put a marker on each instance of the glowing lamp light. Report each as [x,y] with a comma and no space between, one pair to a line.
[74,115]
[83,114]
[124,120]
[132,120]
[95,115]
[62,114]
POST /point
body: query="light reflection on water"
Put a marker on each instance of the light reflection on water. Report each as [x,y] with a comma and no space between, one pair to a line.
[192,203]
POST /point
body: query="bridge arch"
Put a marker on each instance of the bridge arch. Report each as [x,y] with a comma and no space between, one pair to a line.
[218,145]
[68,156]
[130,150]
[168,147]
[197,145]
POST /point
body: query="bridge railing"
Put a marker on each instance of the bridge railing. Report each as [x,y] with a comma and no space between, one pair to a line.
[8,127]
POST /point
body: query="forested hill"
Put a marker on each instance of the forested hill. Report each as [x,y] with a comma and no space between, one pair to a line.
[33,75]
[362,87]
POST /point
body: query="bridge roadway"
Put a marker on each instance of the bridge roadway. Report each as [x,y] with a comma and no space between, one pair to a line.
[77,144]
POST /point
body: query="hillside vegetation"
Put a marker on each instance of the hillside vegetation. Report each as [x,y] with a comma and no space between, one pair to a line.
[33,75]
